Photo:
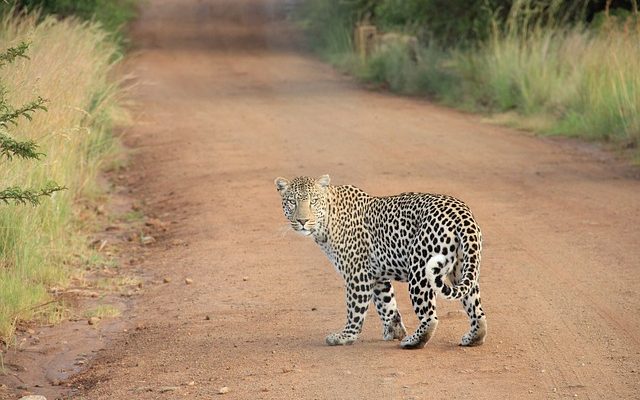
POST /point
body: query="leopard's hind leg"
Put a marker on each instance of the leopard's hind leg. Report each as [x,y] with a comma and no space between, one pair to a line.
[473,306]
[423,298]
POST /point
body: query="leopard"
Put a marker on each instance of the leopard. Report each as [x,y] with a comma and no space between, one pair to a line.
[431,241]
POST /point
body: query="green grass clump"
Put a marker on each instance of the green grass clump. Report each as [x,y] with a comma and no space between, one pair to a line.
[581,82]
[607,100]
[70,63]
[546,74]
[103,311]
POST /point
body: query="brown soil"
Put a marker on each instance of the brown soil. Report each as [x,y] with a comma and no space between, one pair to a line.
[227,102]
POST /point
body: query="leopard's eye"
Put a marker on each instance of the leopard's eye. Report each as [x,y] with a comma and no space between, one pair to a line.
[290,203]
[314,201]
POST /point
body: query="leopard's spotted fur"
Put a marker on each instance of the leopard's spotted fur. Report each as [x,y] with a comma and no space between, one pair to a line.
[429,240]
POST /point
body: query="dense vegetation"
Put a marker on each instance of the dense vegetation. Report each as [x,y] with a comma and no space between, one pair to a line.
[67,68]
[552,66]
[110,14]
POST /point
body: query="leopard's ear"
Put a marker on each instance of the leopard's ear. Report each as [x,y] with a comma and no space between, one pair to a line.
[281,184]
[324,180]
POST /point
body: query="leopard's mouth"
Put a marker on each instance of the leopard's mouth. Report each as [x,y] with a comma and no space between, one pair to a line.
[305,230]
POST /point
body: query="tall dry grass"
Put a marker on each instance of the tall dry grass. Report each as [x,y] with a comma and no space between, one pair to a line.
[70,65]
[607,100]
[574,81]
[536,71]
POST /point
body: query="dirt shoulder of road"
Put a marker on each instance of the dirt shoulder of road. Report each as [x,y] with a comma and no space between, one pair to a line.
[96,307]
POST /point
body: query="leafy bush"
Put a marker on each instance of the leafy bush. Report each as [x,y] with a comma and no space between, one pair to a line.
[446,22]
[329,23]
[110,14]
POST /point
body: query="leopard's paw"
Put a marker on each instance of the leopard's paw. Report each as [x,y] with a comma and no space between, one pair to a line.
[340,339]
[475,337]
[396,330]
[413,342]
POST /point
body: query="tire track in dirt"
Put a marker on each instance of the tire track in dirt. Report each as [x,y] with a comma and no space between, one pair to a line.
[228,101]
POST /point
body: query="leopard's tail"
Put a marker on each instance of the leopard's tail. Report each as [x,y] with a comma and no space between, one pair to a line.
[438,268]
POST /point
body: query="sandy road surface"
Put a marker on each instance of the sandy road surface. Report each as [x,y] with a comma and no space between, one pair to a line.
[226,103]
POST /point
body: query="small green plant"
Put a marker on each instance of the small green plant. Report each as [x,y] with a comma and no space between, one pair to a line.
[117,282]
[10,147]
[133,216]
[96,261]
[103,311]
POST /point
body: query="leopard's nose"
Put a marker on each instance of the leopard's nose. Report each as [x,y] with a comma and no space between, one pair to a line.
[303,221]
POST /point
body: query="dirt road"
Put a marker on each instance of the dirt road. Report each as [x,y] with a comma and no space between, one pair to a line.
[227,102]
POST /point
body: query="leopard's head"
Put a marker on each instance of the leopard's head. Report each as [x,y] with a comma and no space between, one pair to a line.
[304,201]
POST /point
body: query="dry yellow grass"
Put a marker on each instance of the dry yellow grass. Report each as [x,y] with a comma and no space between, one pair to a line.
[70,65]
[574,81]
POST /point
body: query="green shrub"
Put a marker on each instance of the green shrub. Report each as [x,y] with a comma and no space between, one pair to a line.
[329,23]
[110,14]
[447,22]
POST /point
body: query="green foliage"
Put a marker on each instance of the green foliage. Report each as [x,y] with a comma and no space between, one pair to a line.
[111,14]
[453,23]
[399,13]
[10,115]
[18,195]
[447,22]
[103,311]
[12,53]
[329,23]
[10,147]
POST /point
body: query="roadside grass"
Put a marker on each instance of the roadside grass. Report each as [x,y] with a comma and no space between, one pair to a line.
[133,216]
[71,65]
[95,260]
[116,283]
[546,77]
[103,311]
[572,81]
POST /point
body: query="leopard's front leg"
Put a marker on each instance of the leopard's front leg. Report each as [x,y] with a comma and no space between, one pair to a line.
[359,289]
